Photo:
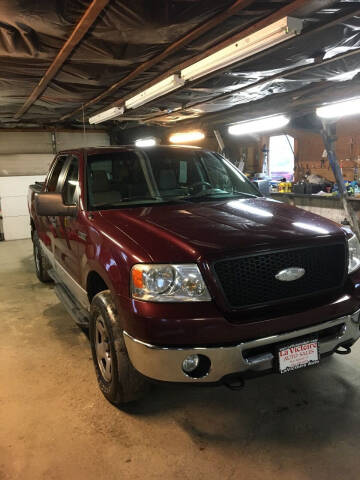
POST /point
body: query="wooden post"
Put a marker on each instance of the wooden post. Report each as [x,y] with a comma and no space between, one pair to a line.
[329,137]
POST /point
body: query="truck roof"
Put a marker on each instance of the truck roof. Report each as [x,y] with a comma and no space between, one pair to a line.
[112,148]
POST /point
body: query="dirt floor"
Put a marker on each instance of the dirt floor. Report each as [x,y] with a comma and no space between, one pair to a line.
[55,423]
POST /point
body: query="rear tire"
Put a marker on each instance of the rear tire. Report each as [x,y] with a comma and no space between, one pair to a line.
[41,262]
[118,380]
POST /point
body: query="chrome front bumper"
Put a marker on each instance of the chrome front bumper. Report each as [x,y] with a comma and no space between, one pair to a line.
[165,363]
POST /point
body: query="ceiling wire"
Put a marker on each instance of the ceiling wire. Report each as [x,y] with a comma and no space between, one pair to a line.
[84,127]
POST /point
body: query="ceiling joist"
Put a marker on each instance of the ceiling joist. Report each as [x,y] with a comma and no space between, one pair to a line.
[82,27]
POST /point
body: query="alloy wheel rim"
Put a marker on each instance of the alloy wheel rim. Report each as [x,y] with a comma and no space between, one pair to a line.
[102,347]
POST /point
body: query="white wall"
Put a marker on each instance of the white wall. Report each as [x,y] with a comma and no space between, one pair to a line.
[13,202]
[29,153]
[24,159]
[65,140]
[25,142]
[14,164]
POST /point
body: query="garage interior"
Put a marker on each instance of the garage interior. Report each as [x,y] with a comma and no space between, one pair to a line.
[82,73]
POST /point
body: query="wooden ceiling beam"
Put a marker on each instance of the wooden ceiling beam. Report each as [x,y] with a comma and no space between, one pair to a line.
[81,28]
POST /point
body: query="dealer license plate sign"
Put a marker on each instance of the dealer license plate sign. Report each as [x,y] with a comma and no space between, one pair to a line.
[298,355]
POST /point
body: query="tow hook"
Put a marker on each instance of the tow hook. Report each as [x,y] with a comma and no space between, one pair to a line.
[234,384]
[342,350]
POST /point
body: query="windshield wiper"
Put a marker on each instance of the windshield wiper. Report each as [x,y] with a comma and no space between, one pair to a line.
[173,199]
[140,197]
[250,195]
[131,201]
[214,195]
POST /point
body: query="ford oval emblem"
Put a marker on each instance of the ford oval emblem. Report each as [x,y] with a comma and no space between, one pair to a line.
[290,274]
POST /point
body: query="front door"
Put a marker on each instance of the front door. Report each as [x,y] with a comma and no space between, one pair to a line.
[48,226]
[66,242]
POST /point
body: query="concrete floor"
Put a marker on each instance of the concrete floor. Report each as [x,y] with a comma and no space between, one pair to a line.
[55,424]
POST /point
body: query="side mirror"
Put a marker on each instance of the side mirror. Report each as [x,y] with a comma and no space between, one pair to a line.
[52,205]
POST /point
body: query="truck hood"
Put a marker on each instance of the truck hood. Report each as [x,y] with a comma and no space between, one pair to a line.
[189,231]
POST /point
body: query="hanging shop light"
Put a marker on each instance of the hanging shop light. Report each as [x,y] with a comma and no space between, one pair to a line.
[107,115]
[259,125]
[267,37]
[185,137]
[145,142]
[344,108]
[161,88]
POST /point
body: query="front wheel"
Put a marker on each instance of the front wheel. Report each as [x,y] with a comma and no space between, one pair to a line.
[120,383]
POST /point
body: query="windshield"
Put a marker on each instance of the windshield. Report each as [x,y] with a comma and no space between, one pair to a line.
[151,176]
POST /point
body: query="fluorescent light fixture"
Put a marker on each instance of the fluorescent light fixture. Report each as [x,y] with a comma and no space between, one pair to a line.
[161,88]
[259,125]
[267,37]
[107,115]
[340,109]
[185,137]
[145,142]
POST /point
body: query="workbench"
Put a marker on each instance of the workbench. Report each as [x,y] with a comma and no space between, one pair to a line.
[326,206]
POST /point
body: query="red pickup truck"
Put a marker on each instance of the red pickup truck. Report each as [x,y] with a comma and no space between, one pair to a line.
[183,272]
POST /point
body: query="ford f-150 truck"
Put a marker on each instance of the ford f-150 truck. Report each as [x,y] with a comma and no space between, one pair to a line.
[183,272]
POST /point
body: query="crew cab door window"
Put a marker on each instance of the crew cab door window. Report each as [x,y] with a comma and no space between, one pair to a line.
[71,183]
[53,179]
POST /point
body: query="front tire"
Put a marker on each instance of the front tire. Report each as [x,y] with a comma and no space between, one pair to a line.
[119,382]
[41,263]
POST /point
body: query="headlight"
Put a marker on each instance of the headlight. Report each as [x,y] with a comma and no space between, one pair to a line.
[354,254]
[168,283]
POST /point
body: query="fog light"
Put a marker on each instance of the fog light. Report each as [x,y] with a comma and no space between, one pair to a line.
[196,366]
[190,363]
